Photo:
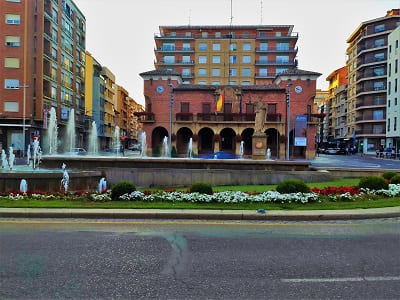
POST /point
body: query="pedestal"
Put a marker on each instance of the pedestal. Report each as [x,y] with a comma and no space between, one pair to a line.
[259,143]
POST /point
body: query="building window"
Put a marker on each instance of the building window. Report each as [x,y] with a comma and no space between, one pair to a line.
[202,83]
[13,0]
[395,124]
[202,72]
[202,46]
[169,59]
[395,101]
[216,72]
[395,85]
[388,124]
[186,59]
[216,59]
[204,35]
[377,115]
[217,47]
[232,59]
[172,34]
[185,107]
[185,72]
[396,66]
[381,71]
[280,70]
[232,72]
[278,33]
[218,35]
[388,102]
[390,70]
[263,59]
[282,46]
[379,56]
[205,108]
[379,43]
[389,89]
[11,62]
[186,46]
[215,83]
[13,19]
[263,72]
[246,72]
[233,47]
[282,59]
[11,84]
[246,47]
[246,59]
[245,35]
[13,41]
[379,85]
[168,47]
[379,28]
[202,59]
[11,106]
[232,82]
[263,46]
[245,83]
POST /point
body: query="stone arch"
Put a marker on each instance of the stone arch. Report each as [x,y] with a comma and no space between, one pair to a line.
[205,142]
[247,135]
[273,141]
[157,137]
[227,141]
[183,136]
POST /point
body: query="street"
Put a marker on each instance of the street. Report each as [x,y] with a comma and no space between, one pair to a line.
[81,259]
[354,162]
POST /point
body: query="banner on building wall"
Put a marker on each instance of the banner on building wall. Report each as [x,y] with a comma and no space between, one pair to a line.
[45,119]
[300,138]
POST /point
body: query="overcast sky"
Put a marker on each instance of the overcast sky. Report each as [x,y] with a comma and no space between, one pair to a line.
[120,33]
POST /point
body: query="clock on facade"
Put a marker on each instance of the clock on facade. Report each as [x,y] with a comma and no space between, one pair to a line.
[160,89]
[298,89]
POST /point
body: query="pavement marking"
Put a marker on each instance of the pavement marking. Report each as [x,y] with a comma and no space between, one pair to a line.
[344,279]
[179,223]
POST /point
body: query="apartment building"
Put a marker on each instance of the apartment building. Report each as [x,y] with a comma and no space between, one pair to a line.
[42,65]
[321,108]
[226,55]
[367,81]
[337,108]
[393,94]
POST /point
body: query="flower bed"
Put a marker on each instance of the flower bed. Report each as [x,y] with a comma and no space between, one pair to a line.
[229,197]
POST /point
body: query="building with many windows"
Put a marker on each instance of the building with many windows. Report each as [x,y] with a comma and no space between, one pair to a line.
[367,81]
[42,65]
[393,95]
[226,55]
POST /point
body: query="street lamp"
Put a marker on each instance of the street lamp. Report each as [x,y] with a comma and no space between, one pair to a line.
[171,101]
[288,120]
[23,118]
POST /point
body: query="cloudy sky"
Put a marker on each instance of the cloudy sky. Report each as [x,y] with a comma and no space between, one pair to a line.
[120,33]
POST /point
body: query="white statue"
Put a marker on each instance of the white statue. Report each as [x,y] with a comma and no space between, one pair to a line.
[268,154]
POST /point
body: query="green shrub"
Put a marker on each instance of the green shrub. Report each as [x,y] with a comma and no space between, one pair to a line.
[292,185]
[373,183]
[121,188]
[389,174]
[395,179]
[202,188]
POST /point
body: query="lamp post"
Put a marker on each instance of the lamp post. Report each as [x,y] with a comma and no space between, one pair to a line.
[288,120]
[23,118]
[171,101]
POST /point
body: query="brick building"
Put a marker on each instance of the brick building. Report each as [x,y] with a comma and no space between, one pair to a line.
[194,116]
[42,48]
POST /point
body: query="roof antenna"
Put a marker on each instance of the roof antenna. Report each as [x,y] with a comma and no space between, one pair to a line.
[231,13]
[190,16]
[261,12]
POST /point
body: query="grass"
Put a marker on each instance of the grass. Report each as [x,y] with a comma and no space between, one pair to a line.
[324,205]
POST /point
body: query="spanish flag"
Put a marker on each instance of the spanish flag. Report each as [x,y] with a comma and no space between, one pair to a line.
[220,103]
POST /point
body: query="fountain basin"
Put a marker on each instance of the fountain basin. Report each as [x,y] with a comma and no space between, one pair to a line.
[49,180]
[167,172]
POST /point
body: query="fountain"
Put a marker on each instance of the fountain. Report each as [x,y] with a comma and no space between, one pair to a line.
[143,144]
[4,162]
[102,185]
[190,148]
[37,153]
[165,149]
[65,179]
[52,132]
[116,140]
[70,142]
[11,158]
[23,186]
[28,155]
[241,151]
[93,148]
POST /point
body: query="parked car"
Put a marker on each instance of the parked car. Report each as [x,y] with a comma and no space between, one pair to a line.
[135,147]
[219,155]
[331,151]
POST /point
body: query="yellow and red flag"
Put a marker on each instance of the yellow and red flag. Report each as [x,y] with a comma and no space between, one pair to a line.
[220,103]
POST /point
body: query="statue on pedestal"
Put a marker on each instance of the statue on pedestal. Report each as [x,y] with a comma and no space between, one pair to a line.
[261,112]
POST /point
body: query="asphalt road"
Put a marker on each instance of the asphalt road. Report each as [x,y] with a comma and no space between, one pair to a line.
[197,260]
[354,162]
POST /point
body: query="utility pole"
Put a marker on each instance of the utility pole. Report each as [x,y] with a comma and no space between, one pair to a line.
[288,120]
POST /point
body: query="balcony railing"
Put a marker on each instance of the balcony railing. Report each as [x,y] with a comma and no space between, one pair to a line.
[174,49]
[272,63]
[370,131]
[175,62]
[371,89]
[184,116]
[371,60]
[236,117]
[266,36]
[145,117]
[276,49]
[369,118]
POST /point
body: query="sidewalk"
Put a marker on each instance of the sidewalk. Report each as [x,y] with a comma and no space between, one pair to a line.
[282,215]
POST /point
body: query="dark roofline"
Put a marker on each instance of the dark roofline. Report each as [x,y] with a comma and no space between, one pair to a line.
[299,72]
[195,87]
[160,73]
[197,27]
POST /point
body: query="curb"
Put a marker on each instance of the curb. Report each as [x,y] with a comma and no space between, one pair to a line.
[217,215]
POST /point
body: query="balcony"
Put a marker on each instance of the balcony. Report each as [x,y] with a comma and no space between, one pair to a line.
[265,75]
[176,62]
[370,61]
[276,49]
[369,119]
[184,116]
[145,117]
[275,37]
[370,74]
[174,49]
[371,131]
[274,63]
[173,37]
[371,90]
[371,102]
[236,117]
[188,75]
